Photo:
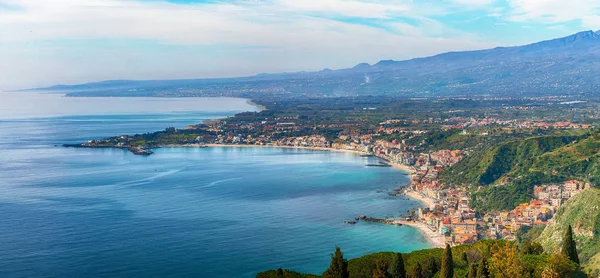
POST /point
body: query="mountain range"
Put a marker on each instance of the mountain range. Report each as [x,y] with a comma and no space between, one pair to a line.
[565,66]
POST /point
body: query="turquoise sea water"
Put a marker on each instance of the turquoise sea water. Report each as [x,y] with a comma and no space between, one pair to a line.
[182,212]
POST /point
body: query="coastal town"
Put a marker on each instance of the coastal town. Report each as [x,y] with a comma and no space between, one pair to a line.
[446,217]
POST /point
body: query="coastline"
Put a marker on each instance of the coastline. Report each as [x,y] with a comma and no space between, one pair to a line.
[261,146]
[436,240]
[429,202]
[433,237]
[258,106]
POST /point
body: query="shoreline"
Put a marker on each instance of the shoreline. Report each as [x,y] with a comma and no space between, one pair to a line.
[258,106]
[437,240]
[429,202]
[261,146]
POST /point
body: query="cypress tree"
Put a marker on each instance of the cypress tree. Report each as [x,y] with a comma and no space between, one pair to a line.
[472,271]
[482,270]
[447,263]
[417,272]
[398,270]
[380,270]
[568,246]
[338,267]
[279,273]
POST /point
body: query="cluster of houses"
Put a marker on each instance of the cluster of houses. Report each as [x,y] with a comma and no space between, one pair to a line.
[461,123]
[452,216]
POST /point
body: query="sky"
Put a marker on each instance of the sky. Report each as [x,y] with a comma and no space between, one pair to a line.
[48,42]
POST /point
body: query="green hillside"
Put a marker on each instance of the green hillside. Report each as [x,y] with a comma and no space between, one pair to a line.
[504,259]
[509,171]
[582,212]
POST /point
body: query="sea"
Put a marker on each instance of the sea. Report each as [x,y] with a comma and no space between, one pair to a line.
[181,212]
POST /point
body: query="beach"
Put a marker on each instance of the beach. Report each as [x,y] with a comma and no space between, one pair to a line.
[428,202]
[436,239]
[261,146]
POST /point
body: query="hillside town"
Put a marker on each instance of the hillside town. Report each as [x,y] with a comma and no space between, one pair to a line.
[449,213]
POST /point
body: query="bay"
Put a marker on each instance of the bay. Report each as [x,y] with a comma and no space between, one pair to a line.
[214,212]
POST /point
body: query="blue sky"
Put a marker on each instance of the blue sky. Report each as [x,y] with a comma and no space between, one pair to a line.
[46,42]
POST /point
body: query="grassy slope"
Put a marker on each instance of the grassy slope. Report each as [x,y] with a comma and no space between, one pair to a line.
[582,212]
[510,170]
[592,266]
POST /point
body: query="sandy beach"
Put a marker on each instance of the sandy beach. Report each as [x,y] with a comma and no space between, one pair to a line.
[262,146]
[428,202]
[433,237]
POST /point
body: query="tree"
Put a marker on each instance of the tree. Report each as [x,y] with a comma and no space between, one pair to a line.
[482,270]
[338,267]
[431,266]
[417,272]
[465,257]
[447,263]
[472,271]
[569,249]
[506,261]
[398,270]
[380,270]
[558,265]
[279,273]
[531,248]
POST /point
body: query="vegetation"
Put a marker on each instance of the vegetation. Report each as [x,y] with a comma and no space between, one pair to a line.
[417,272]
[472,271]
[381,271]
[531,248]
[569,249]
[398,270]
[482,269]
[490,258]
[509,172]
[338,267]
[447,264]
[582,213]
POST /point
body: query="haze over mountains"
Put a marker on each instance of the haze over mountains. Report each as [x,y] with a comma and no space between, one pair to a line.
[566,66]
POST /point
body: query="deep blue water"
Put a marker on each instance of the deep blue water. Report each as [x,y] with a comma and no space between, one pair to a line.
[182,212]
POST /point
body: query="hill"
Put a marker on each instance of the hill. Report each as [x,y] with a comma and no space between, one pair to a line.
[508,172]
[564,66]
[582,212]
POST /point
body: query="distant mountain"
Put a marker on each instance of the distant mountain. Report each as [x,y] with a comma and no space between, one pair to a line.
[564,66]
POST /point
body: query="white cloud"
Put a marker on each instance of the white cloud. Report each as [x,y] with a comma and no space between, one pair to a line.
[554,11]
[298,34]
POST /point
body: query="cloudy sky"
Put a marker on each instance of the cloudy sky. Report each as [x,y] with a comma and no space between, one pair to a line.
[46,42]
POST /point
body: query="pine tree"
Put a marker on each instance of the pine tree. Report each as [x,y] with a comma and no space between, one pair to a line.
[472,271]
[338,267]
[417,272]
[398,270]
[568,246]
[447,263]
[380,270]
[482,270]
